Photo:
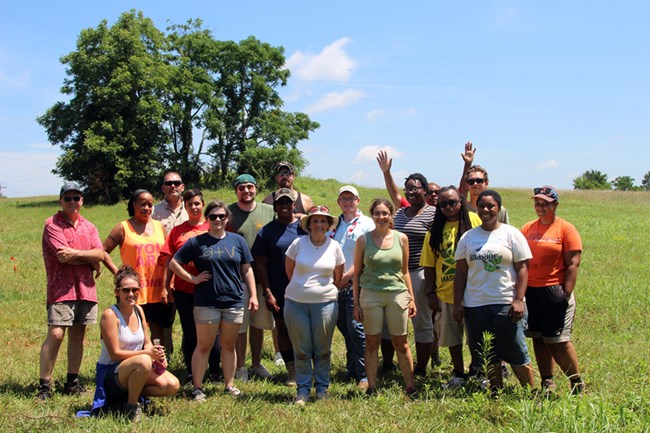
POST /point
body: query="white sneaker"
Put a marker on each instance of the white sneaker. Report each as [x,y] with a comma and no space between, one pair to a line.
[260,371]
[234,392]
[455,382]
[242,374]
[278,359]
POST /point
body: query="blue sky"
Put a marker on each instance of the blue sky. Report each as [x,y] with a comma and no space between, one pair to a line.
[545,90]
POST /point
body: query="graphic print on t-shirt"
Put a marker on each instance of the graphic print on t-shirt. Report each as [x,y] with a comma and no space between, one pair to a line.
[491,262]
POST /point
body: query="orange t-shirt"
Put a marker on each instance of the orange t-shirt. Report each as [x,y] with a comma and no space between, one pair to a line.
[548,244]
[143,254]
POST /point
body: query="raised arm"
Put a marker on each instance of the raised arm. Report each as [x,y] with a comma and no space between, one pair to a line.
[385,163]
[468,160]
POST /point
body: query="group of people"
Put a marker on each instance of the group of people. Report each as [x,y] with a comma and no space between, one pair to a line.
[452,265]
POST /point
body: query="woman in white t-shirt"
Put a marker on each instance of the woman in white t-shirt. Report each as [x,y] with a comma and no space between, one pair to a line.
[489,290]
[314,265]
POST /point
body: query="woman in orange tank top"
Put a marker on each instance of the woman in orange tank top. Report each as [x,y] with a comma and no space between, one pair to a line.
[141,239]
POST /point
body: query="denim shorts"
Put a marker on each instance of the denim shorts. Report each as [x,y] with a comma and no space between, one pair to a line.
[509,343]
[214,315]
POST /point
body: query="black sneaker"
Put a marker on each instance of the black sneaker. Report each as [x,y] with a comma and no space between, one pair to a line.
[74,388]
[44,393]
[132,412]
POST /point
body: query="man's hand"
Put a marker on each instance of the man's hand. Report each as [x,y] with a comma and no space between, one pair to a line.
[468,156]
[385,163]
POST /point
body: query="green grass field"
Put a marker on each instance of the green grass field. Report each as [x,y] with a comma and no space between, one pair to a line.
[612,336]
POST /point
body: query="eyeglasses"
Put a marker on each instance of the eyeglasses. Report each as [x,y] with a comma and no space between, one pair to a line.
[214,216]
[323,209]
[127,290]
[414,190]
[244,187]
[433,191]
[478,180]
[347,199]
[173,182]
[451,203]
[285,173]
[69,198]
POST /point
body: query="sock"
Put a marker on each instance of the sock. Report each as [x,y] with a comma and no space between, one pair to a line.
[547,377]
[576,379]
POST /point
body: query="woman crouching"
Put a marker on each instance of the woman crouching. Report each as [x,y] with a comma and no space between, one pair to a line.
[129,366]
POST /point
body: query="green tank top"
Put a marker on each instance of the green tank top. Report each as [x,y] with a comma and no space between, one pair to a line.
[382,268]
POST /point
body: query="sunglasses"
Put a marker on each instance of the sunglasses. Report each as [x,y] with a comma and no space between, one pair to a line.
[127,290]
[433,191]
[475,180]
[69,198]
[285,173]
[324,209]
[214,216]
[173,182]
[413,190]
[451,203]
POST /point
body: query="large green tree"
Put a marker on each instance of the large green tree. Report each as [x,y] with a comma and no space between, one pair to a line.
[143,101]
[623,183]
[645,183]
[591,179]
[111,129]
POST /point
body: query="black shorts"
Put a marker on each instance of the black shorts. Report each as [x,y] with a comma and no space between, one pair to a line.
[114,391]
[547,311]
[159,313]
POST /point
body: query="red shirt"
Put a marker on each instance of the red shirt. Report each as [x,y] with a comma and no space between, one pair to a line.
[69,282]
[175,240]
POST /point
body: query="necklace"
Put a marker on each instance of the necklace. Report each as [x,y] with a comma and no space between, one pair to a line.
[317,244]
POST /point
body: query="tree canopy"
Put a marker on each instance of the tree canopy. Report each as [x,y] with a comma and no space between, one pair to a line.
[143,101]
[591,179]
[624,183]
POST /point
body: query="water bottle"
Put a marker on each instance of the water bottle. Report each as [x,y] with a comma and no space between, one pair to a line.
[157,366]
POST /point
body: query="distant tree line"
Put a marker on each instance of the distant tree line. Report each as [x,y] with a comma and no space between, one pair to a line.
[594,179]
[141,100]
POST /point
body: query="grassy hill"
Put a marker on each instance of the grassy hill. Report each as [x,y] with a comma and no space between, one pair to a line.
[612,336]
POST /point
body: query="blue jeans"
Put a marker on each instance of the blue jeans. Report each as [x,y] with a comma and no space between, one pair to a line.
[355,339]
[311,328]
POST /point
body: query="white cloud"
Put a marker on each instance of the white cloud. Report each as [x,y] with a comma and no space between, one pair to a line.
[358,177]
[335,100]
[374,114]
[410,112]
[369,153]
[331,64]
[546,165]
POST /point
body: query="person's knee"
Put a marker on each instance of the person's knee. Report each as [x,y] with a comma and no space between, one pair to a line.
[401,347]
[171,385]
[372,344]
[55,334]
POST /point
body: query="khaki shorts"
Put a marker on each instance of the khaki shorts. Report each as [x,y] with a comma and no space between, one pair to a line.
[68,313]
[393,306]
[262,319]
[214,315]
[450,332]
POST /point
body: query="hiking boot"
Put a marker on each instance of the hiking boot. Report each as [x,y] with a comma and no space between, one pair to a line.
[198,395]
[43,393]
[260,371]
[74,388]
[132,412]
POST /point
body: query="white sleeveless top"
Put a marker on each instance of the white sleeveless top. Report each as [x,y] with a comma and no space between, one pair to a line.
[129,340]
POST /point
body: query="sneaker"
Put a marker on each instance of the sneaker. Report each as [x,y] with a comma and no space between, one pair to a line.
[242,374]
[455,382]
[548,388]
[363,384]
[44,393]
[198,395]
[371,392]
[505,372]
[323,395]
[278,359]
[234,392]
[412,393]
[260,371]
[132,412]
[291,374]
[74,388]
[301,400]
[577,387]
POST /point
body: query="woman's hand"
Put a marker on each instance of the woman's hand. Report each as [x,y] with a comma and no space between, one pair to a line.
[459,313]
[357,313]
[202,277]
[253,305]
[272,303]
[412,309]
[516,310]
